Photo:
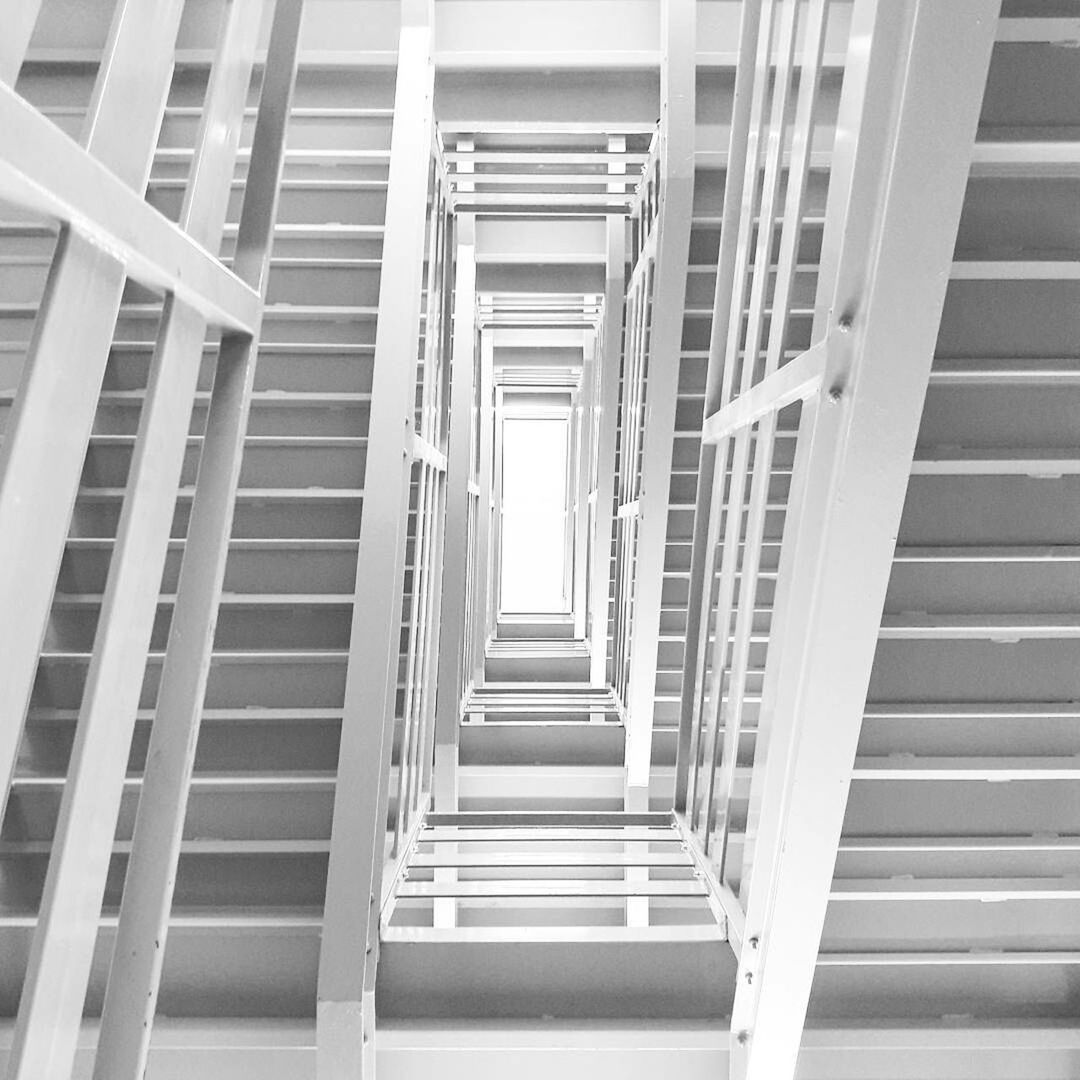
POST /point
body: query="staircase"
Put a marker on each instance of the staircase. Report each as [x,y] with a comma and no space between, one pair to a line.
[954,899]
[955,884]
[248,903]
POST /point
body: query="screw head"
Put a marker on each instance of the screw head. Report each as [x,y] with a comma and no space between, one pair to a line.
[749,976]
[742,1038]
[755,942]
[845,324]
[836,393]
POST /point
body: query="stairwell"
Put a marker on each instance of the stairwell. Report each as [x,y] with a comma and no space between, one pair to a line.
[547,894]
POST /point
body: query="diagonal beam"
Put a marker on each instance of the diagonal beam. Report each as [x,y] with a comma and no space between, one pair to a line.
[134,979]
[348,955]
[40,459]
[890,230]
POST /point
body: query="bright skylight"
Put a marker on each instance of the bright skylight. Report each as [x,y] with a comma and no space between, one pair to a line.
[534,516]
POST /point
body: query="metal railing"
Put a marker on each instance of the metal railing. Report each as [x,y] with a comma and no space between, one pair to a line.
[589,877]
[109,235]
[819,362]
[756,381]
[412,765]
[637,324]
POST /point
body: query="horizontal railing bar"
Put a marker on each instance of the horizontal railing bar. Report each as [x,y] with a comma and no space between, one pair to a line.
[506,860]
[795,380]
[638,834]
[465,199]
[422,450]
[539,935]
[539,157]
[542,818]
[553,888]
[46,171]
[548,179]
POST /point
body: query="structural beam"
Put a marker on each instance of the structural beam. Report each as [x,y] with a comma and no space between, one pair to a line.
[349,948]
[46,172]
[881,322]
[677,124]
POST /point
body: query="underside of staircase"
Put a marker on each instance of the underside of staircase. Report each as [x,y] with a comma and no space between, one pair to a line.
[783,783]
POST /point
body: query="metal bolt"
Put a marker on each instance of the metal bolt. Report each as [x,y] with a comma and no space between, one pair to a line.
[845,324]
[742,1038]
[749,977]
[836,393]
[754,943]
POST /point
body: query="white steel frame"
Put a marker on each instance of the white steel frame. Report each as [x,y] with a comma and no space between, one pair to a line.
[609,356]
[484,589]
[654,318]
[358,875]
[107,235]
[456,651]
[881,289]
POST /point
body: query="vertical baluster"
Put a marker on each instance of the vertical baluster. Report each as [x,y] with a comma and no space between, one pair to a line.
[741,278]
[413,629]
[718,793]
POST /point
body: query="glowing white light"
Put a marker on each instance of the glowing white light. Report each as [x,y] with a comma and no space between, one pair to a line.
[534,516]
